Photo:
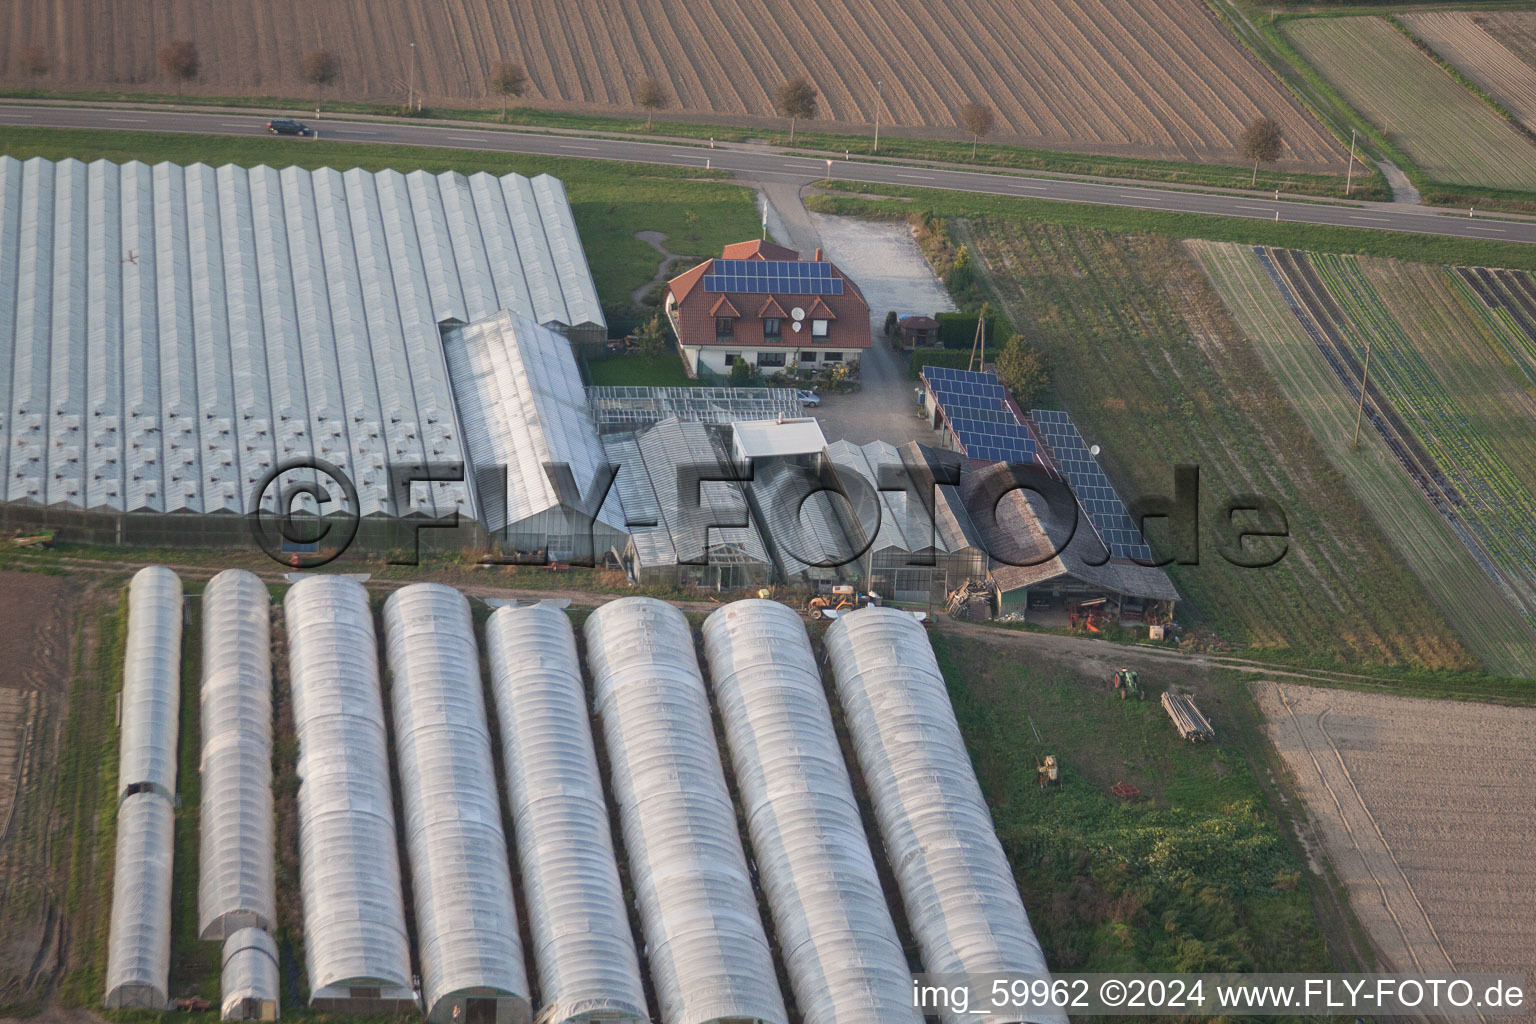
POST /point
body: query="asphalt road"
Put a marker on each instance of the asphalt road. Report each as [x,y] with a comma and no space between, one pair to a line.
[762,163]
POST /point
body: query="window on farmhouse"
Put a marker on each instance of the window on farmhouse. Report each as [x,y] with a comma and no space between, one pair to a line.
[808,357]
[832,357]
[772,327]
[725,326]
[818,328]
[770,359]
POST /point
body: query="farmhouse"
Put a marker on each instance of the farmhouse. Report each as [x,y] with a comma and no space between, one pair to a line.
[759,303]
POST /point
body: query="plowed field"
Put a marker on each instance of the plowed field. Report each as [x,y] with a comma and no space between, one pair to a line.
[1423,807]
[1158,78]
[1472,43]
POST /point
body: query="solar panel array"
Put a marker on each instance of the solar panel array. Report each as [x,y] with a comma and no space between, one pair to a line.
[1090,485]
[784,277]
[975,405]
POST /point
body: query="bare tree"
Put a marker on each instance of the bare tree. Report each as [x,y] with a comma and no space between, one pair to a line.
[650,95]
[978,120]
[507,78]
[34,60]
[1261,142]
[320,69]
[795,99]
[178,58]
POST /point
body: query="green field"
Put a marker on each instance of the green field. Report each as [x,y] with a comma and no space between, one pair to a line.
[1465,347]
[1440,124]
[698,212]
[663,371]
[1151,366]
[1195,874]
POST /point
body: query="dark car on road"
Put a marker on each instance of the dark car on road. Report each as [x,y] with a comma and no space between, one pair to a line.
[288,126]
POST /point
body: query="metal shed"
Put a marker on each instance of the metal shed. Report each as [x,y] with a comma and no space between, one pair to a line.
[466,921]
[844,958]
[585,955]
[151,699]
[955,881]
[139,936]
[236,888]
[355,943]
[708,953]
[250,981]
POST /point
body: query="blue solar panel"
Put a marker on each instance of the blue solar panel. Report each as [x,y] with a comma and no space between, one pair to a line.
[1093,490]
[786,277]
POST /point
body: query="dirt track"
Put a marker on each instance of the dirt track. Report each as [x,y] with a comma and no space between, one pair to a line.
[1157,78]
[1424,809]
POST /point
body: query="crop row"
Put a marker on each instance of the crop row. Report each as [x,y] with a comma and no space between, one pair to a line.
[1469,474]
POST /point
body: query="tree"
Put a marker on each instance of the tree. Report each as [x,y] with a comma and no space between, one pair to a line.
[978,120]
[34,60]
[650,95]
[507,78]
[1261,142]
[320,69]
[795,99]
[178,58]
[1022,370]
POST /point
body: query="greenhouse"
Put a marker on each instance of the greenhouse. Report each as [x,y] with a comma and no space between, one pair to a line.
[466,922]
[235,853]
[588,967]
[708,953]
[834,928]
[958,890]
[151,699]
[139,936]
[355,944]
[250,980]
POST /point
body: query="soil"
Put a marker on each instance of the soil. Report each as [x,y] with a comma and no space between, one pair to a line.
[1423,809]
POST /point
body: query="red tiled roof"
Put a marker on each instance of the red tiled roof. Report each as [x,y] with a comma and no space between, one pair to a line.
[772,308]
[758,249]
[723,307]
[819,311]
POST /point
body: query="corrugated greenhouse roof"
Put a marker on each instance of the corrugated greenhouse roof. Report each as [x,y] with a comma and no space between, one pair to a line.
[176,332]
[522,405]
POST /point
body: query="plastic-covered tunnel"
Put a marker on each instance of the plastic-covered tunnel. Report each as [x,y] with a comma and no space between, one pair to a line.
[466,921]
[587,964]
[958,890]
[844,958]
[355,943]
[705,943]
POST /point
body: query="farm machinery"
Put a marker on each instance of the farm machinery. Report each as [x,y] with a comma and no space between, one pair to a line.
[1091,615]
[1127,683]
[843,598]
[1048,770]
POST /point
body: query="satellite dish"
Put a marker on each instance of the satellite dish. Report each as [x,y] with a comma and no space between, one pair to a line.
[798,314]
[1094,451]
[796,325]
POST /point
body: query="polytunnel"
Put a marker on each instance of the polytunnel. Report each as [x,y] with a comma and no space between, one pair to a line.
[705,943]
[151,684]
[236,887]
[958,890]
[466,922]
[583,950]
[834,928]
[355,944]
[139,936]
[250,981]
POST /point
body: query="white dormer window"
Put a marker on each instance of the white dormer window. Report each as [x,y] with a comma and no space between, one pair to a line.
[819,328]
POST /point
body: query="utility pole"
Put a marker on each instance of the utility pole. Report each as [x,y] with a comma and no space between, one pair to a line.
[410,96]
[1365,380]
[879,94]
[1349,179]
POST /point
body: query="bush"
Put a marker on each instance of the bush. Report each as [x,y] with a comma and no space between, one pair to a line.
[960,278]
[1021,368]
[958,330]
[742,373]
[891,321]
